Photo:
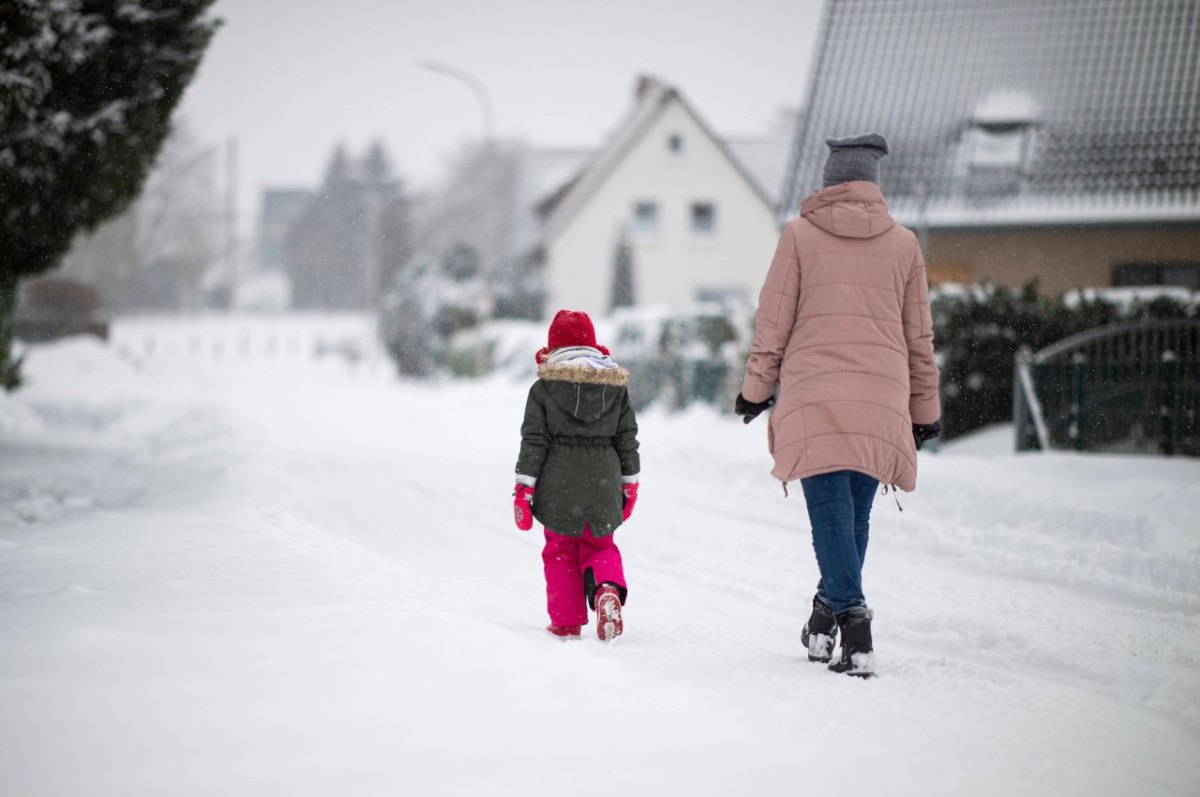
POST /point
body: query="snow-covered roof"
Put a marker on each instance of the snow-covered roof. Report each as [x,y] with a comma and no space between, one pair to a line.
[766,161]
[542,171]
[1013,112]
[652,98]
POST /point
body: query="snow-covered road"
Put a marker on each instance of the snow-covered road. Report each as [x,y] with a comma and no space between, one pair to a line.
[308,582]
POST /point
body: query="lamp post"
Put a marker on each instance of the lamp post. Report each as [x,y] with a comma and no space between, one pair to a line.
[477,88]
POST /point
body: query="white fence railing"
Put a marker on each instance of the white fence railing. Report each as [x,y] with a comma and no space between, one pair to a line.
[246,338]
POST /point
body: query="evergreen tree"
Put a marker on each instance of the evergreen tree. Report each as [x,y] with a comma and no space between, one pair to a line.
[87,88]
[393,225]
[352,240]
[324,248]
[622,284]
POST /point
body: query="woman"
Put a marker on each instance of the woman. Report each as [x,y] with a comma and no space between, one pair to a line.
[843,328]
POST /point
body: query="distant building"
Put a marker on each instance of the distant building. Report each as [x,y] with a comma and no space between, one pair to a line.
[1030,139]
[697,222]
[280,209]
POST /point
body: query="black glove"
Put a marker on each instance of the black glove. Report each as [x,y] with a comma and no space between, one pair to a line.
[926,431]
[749,410]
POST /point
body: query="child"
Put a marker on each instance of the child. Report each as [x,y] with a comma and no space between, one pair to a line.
[578,474]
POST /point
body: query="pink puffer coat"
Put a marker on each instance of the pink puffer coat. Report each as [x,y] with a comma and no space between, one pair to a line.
[844,328]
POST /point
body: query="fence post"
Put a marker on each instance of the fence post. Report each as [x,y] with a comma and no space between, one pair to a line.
[1166,404]
[1029,423]
[1021,421]
[1078,417]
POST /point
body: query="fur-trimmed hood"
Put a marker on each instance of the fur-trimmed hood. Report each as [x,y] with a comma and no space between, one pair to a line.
[583,374]
[585,392]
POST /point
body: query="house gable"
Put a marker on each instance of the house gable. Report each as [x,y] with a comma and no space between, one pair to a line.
[654,100]
[689,212]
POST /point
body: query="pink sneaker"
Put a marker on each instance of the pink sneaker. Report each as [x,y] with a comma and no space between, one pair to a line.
[565,631]
[609,625]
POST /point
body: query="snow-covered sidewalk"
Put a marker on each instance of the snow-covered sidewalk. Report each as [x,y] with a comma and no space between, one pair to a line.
[305,581]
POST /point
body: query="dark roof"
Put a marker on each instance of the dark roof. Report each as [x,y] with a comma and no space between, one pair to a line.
[1013,111]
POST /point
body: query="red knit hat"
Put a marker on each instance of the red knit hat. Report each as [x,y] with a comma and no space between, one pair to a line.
[570,328]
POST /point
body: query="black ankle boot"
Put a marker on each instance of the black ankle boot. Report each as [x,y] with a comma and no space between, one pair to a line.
[858,654]
[820,632]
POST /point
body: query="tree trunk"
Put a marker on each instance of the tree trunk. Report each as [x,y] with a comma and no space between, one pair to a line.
[10,376]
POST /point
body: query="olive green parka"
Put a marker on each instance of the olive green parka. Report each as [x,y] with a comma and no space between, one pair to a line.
[578,439]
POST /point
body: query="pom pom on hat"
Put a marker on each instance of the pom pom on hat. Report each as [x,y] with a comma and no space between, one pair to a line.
[570,328]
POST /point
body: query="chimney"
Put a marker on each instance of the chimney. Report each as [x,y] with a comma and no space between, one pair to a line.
[647,84]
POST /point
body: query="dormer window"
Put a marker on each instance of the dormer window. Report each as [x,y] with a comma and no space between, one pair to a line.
[997,144]
[996,148]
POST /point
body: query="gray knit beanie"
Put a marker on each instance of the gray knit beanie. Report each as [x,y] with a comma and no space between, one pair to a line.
[854,158]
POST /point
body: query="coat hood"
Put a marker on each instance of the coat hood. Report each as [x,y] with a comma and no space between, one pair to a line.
[849,210]
[585,392]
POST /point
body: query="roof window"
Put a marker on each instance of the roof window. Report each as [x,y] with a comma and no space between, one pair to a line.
[997,143]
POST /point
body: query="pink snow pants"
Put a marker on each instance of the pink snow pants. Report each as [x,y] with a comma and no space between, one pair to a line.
[565,558]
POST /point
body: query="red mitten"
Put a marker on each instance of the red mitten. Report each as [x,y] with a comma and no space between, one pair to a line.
[522,507]
[630,491]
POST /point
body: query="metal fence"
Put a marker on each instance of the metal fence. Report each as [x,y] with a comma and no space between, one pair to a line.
[1131,387]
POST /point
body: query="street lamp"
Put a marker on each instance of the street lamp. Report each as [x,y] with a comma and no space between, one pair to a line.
[477,88]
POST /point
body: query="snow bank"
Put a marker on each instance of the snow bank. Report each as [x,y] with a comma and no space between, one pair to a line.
[16,418]
[997,439]
[78,368]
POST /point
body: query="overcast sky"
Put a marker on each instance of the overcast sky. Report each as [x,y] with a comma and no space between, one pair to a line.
[291,78]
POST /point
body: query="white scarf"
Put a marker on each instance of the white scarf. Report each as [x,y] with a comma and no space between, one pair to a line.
[581,355]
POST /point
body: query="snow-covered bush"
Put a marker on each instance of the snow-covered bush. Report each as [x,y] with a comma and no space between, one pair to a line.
[431,303]
[680,356]
[675,356]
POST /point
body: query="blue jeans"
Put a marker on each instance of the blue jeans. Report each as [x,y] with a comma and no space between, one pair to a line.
[839,508]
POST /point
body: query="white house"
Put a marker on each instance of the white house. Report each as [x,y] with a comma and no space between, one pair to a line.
[696,221]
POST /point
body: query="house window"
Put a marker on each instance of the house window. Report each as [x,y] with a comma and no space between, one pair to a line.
[704,218]
[720,294]
[997,144]
[675,144]
[645,218]
[1184,274]
[997,149]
